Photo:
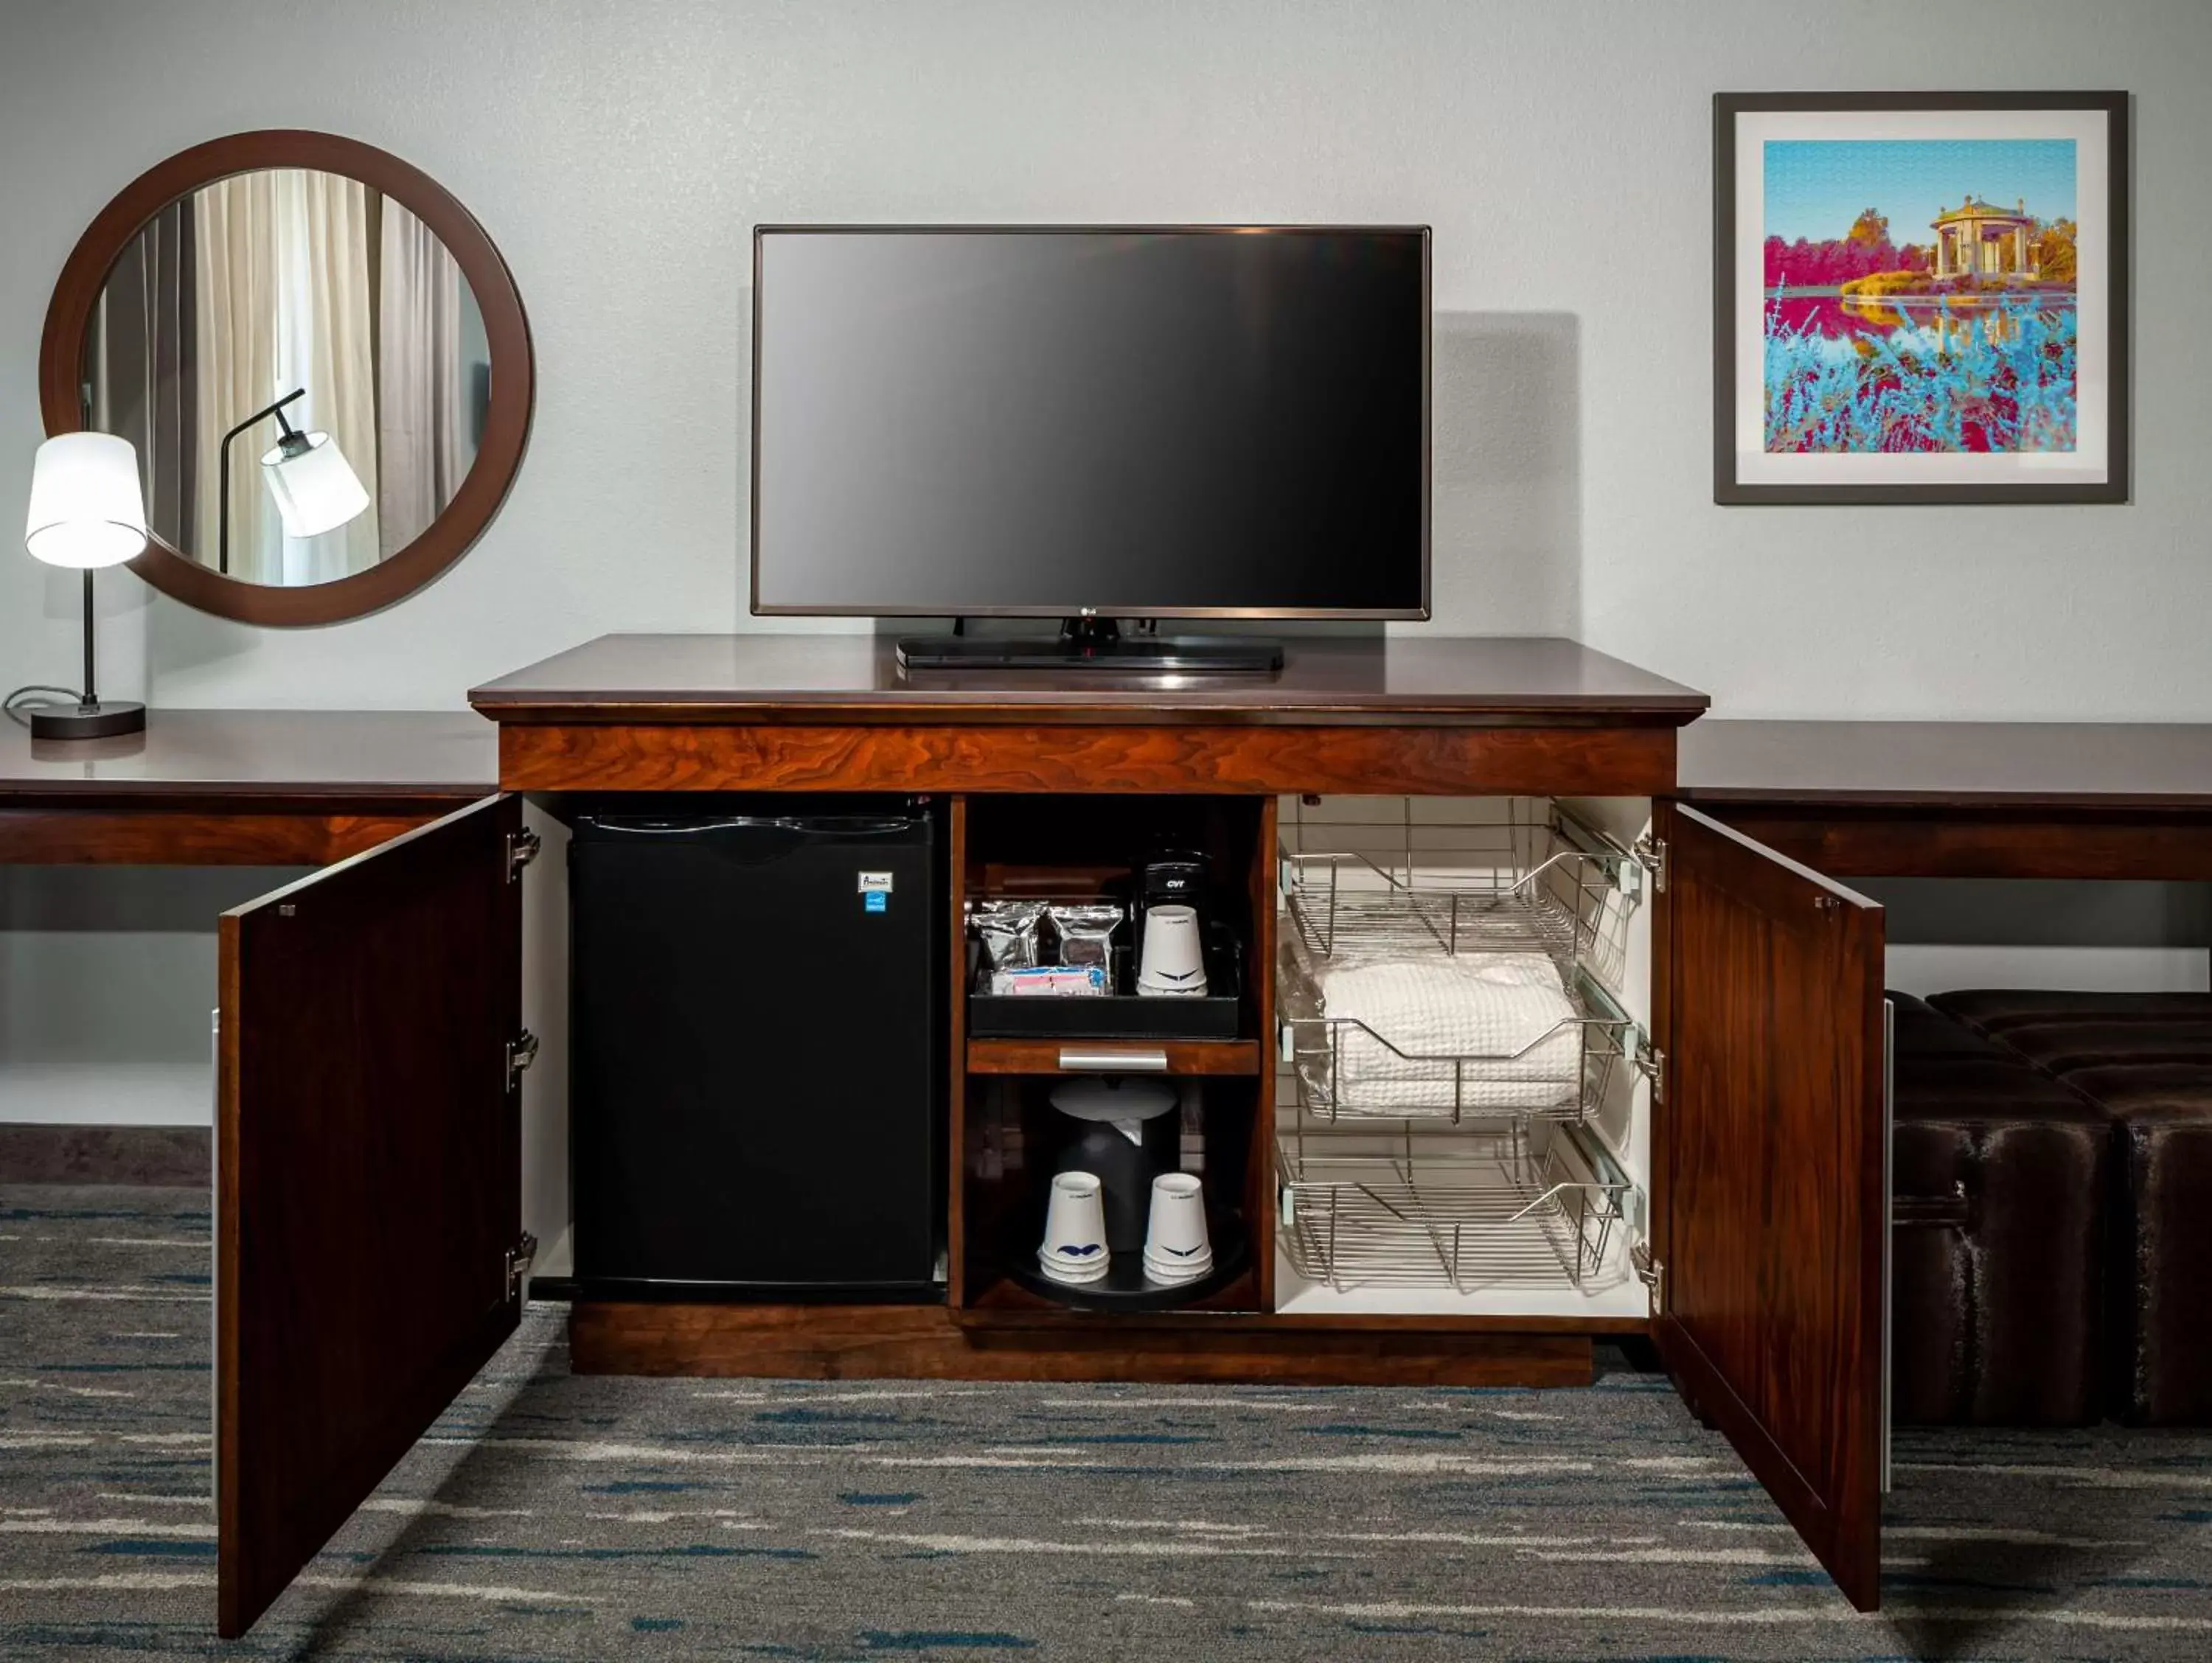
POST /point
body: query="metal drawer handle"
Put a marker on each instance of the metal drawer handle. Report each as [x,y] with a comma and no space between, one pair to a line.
[1139,1059]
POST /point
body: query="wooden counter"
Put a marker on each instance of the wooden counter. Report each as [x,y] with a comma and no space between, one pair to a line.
[824,713]
[1963,799]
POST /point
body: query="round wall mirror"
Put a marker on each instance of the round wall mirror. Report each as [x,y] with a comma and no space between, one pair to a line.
[322,363]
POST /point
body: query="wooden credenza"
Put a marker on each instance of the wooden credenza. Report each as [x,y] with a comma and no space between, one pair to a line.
[373,1076]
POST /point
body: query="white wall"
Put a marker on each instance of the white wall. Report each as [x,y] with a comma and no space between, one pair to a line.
[1942,933]
[619,154]
[107,979]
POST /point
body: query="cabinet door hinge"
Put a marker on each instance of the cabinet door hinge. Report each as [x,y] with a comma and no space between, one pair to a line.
[1651,854]
[522,849]
[520,1258]
[1652,1274]
[521,1052]
[1651,1064]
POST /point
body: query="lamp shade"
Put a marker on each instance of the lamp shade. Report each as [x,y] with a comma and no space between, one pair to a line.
[315,488]
[87,509]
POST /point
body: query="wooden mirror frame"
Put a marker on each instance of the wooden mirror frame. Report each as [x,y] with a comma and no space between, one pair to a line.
[507,333]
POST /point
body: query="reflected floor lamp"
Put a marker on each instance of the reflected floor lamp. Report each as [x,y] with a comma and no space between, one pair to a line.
[87,511]
[315,488]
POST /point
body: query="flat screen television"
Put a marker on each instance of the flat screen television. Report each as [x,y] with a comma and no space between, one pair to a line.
[1091,425]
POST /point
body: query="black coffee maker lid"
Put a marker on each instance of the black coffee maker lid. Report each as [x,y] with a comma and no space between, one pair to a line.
[1113,1097]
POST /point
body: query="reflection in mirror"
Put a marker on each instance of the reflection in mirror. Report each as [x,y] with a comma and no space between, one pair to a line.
[266,285]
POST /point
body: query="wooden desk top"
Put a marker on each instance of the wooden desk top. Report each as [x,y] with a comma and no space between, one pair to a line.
[1927,766]
[754,679]
[245,756]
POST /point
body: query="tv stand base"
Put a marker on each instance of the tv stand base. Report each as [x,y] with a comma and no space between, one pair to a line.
[1094,644]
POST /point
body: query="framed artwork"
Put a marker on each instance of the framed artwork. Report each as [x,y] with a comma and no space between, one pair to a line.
[1920,297]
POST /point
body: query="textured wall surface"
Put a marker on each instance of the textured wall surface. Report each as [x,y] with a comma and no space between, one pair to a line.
[620,153]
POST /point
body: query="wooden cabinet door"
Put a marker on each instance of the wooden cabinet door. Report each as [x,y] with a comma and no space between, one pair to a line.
[1770,1168]
[367,1181]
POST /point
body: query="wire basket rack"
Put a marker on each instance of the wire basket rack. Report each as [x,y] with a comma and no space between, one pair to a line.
[1343,1069]
[1529,878]
[1455,1210]
[1502,876]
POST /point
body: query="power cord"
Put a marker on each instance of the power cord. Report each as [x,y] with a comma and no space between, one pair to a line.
[16,704]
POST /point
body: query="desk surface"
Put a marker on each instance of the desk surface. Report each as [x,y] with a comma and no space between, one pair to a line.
[855,679]
[1935,765]
[359,756]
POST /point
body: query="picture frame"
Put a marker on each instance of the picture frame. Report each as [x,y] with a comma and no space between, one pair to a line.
[1960,334]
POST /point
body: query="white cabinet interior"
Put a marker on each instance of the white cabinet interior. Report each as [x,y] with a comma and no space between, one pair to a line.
[1418,1179]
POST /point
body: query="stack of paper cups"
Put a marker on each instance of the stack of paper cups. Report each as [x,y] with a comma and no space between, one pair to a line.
[1074,1247]
[1175,1248]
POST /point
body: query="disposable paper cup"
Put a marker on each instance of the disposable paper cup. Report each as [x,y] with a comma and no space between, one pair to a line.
[1176,1245]
[1167,1275]
[1173,961]
[1074,1247]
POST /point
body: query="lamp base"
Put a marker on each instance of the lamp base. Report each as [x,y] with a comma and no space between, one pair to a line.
[99,721]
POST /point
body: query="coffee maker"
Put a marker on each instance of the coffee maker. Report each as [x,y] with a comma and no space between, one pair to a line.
[1177,876]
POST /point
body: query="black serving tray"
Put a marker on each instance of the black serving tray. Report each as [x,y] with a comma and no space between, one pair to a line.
[1124,1288]
[1119,1015]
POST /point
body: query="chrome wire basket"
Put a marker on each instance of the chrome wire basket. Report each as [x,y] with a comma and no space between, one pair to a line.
[1516,876]
[1458,1209]
[1344,1070]
[1529,879]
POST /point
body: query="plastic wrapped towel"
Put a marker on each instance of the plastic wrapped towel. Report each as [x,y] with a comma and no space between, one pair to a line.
[1474,1030]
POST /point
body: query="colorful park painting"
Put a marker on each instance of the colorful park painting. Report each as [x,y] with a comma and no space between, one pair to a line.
[1919,295]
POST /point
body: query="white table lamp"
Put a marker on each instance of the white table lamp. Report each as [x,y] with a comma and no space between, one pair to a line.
[87,511]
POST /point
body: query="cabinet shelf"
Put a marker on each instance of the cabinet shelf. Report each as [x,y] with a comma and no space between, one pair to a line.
[1010,1053]
[1168,1057]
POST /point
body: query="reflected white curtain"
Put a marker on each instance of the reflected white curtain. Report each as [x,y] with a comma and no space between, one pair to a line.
[285,299]
[421,453]
[327,343]
[234,319]
[140,367]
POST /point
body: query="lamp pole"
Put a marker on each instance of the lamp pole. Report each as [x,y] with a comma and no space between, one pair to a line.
[223,482]
[91,694]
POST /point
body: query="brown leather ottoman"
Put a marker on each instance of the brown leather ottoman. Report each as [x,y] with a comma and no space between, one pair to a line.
[1996,1252]
[2158,1297]
[1996,1011]
[2063,1049]
[2147,1060]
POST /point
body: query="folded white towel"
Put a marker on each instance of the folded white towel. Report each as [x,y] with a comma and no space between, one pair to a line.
[1506,1014]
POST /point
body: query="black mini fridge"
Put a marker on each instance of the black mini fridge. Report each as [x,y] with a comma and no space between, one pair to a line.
[756,1040]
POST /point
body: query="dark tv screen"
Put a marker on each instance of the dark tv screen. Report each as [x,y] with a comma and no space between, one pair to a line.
[1137,422]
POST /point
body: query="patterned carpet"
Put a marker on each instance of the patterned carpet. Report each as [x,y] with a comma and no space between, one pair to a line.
[550,1516]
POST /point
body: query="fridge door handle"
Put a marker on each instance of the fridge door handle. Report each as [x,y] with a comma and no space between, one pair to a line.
[844,825]
[749,840]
